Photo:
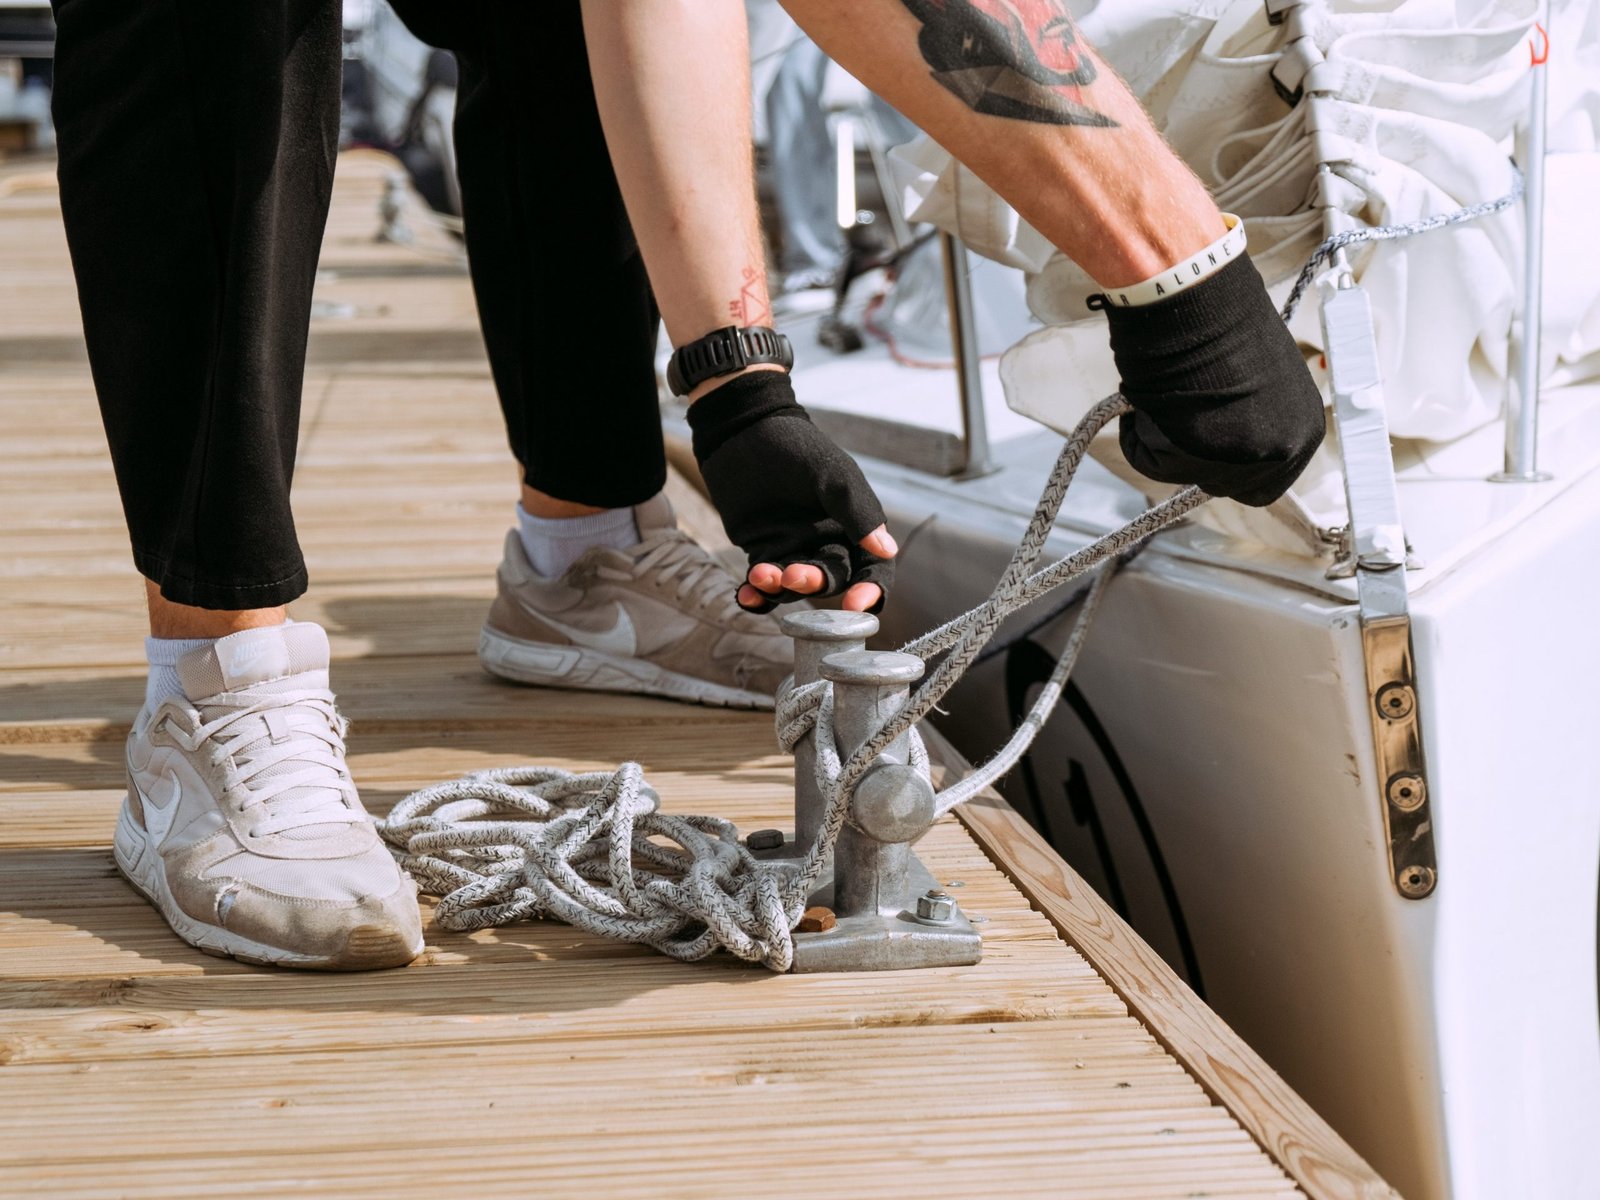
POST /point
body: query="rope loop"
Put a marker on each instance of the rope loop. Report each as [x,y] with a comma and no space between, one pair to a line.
[795,712]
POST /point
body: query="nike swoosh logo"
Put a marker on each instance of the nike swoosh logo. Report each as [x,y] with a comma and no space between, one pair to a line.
[158,817]
[245,657]
[619,640]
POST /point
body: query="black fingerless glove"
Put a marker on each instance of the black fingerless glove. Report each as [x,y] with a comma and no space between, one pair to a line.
[786,492]
[1221,394]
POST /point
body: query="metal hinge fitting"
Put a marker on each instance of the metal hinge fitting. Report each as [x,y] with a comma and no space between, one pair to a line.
[1376,543]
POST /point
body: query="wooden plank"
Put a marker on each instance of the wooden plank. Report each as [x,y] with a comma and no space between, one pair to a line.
[893,1111]
[543,986]
[1300,1141]
[377,689]
[61,625]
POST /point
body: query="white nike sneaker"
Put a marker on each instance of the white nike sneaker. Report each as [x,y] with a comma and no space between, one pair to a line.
[658,618]
[242,825]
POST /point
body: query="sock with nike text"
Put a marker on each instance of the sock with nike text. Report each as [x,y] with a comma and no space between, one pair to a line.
[163,655]
[553,544]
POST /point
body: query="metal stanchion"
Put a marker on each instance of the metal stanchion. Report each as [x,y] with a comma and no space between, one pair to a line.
[1522,399]
[969,363]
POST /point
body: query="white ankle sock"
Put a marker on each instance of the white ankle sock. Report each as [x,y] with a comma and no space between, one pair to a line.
[553,544]
[163,655]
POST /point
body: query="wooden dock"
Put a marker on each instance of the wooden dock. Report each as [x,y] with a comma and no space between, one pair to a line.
[531,1060]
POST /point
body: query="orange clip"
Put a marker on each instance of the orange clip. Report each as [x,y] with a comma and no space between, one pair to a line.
[1539,57]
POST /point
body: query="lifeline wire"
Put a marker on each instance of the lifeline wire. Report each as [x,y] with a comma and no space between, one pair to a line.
[503,845]
[1383,233]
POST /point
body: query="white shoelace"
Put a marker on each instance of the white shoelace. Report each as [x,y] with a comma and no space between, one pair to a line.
[701,578]
[287,751]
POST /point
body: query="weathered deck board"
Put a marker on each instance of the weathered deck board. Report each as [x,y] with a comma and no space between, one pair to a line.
[532,1059]
[1213,1053]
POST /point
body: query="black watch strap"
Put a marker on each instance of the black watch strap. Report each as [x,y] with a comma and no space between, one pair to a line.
[724,351]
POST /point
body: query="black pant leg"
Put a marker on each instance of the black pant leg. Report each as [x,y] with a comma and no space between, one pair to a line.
[196,151]
[568,316]
[454,25]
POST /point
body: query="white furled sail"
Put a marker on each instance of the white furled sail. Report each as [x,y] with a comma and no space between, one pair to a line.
[1417,104]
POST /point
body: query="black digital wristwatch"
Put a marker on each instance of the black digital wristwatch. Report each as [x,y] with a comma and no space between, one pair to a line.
[724,351]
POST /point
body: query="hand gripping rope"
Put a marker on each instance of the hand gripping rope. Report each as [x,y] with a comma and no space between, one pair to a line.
[595,851]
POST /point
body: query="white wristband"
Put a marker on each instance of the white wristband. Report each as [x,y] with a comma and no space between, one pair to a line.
[1187,273]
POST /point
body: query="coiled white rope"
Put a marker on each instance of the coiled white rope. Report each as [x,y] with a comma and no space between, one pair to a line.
[594,850]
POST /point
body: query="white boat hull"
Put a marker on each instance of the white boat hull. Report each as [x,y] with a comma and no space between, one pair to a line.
[1454,1040]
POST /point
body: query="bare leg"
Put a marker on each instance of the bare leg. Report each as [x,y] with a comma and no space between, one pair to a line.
[169,620]
[542,504]
[672,78]
[1012,91]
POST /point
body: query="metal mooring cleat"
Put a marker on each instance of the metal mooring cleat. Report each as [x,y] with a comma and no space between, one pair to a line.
[816,635]
[877,885]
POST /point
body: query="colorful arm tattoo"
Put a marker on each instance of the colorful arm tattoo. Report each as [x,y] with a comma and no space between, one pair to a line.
[1009,58]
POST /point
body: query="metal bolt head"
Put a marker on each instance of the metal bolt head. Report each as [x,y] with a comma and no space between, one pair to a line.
[934,905]
[1414,882]
[893,803]
[1395,701]
[1407,791]
[764,839]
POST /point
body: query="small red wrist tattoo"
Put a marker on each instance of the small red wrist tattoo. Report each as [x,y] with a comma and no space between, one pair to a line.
[750,308]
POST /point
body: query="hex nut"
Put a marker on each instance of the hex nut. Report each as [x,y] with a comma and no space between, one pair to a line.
[816,919]
[935,906]
[764,839]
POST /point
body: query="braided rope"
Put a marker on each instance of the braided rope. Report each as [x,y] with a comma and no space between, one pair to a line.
[505,845]
[1385,233]
[594,850]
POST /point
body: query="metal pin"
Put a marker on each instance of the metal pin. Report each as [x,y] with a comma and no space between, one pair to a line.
[817,634]
[869,688]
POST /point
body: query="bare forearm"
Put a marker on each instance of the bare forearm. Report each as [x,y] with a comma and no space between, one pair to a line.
[1012,90]
[672,80]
